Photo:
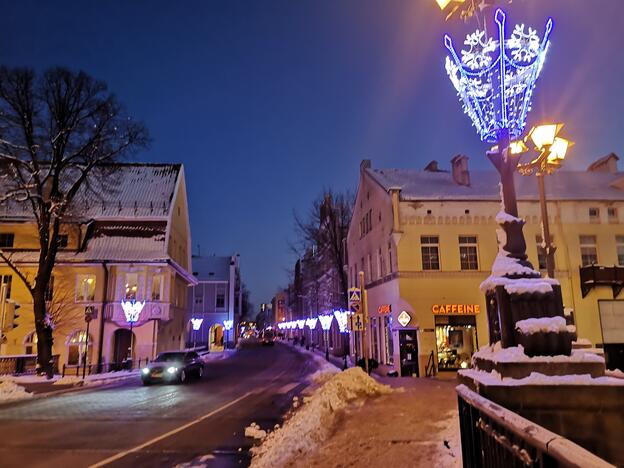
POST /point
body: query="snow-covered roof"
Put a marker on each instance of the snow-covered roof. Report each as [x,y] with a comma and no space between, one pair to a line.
[562,185]
[212,268]
[126,191]
[119,241]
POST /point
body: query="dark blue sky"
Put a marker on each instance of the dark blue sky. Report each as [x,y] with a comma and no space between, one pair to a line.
[267,102]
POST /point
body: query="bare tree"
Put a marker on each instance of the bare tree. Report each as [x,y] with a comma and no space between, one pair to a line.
[57,132]
[321,238]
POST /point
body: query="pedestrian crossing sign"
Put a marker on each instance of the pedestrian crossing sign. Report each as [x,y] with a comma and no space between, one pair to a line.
[354,295]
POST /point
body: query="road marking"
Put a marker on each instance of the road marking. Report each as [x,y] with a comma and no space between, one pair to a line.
[286,388]
[168,434]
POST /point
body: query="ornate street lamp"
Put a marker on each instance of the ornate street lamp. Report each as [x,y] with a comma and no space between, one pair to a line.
[326,321]
[552,151]
[494,78]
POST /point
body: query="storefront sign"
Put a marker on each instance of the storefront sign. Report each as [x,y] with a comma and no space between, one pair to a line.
[404,318]
[384,308]
[456,309]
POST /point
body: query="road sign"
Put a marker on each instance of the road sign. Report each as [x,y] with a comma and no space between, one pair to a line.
[355,295]
[404,318]
[356,322]
[89,313]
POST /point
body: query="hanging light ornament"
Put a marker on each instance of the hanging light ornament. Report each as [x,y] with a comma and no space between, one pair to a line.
[495,78]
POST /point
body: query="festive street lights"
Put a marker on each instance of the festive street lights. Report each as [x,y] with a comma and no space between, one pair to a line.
[552,151]
[227,324]
[342,318]
[132,309]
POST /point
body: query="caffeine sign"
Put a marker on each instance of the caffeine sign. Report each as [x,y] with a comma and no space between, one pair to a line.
[455,309]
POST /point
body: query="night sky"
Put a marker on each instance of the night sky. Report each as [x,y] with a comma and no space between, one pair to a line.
[267,102]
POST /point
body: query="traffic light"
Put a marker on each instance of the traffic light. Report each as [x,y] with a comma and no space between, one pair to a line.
[11,313]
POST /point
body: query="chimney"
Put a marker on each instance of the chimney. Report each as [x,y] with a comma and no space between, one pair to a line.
[607,163]
[432,166]
[459,169]
[365,164]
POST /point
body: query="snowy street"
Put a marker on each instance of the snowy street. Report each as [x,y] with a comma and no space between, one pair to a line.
[160,425]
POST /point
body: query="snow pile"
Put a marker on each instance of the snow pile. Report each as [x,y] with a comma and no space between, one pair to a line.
[496,353]
[254,431]
[528,286]
[10,391]
[217,356]
[311,425]
[503,217]
[616,373]
[535,378]
[542,325]
[69,380]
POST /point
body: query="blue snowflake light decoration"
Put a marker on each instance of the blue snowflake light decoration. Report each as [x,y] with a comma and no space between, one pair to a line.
[495,79]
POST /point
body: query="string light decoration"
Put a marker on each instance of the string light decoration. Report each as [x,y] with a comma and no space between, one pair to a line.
[301,324]
[132,309]
[311,322]
[495,78]
[196,323]
[326,321]
[342,317]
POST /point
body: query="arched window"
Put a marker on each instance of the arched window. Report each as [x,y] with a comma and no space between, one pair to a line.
[30,343]
[77,348]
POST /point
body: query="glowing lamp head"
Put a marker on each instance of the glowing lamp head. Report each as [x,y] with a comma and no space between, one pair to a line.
[326,321]
[558,150]
[132,309]
[196,323]
[311,322]
[301,324]
[228,324]
[342,318]
[543,136]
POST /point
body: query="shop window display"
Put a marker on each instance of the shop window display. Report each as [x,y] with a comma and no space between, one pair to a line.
[456,344]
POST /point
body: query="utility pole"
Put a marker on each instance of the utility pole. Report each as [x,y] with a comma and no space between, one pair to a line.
[364,300]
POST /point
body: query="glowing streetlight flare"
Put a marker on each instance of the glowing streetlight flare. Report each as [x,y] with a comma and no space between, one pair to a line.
[544,135]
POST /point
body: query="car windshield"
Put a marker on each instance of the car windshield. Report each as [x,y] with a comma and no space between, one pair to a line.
[169,357]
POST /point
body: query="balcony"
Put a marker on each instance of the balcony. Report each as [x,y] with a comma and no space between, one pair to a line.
[597,275]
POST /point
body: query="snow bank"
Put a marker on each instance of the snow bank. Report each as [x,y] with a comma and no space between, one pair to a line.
[326,368]
[10,391]
[311,425]
[496,353]
[494,378]
[544,325]
[616,373]
[254,431]
[217,356]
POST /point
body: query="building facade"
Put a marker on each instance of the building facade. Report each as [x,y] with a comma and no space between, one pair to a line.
[215,301]
[128,241]
[426,239]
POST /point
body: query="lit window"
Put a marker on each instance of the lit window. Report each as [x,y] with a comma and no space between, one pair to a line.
[85,288]
[468,255]
[157,287]
[429,247]
[594,215]
[131,286]
[589,252]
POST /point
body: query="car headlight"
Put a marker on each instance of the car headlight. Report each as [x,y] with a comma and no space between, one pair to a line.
[145,371]
[172,370]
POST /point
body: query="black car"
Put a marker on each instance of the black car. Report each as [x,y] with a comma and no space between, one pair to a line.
[173,366]
[268,338]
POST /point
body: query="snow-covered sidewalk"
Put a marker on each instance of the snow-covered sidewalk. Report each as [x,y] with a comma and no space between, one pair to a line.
[352,419]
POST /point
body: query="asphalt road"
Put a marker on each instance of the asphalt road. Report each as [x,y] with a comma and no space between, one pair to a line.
[160,425]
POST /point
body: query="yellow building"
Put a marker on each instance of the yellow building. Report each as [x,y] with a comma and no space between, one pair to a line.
[426,239]
[129,238]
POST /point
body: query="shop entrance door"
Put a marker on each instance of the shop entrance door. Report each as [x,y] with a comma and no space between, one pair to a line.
[408,349]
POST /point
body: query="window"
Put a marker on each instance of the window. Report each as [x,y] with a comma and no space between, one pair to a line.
[468,255]
[30,343]
[77,349]
[49,292]
[157,287]
[8,280]
[131,286]
[220,297]
[429,246]
[62,241]
[85,288]
[364,270]
[619,241]
[380,265]
[389,257]
[366,224]
[589,253]
[6,239]
[541,253]
[612,214]
[594,215]
[370,267]
[198,294]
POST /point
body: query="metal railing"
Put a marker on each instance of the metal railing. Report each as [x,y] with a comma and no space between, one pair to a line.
[493,437]
[22,364]
[80,369]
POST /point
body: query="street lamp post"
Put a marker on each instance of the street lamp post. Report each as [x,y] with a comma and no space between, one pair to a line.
[326,321]
[552,151]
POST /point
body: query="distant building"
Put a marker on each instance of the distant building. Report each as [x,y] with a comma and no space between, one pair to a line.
[128,240]
[426,239]
[214,300]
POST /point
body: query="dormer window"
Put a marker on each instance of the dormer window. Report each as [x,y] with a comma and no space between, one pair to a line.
[594,215]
